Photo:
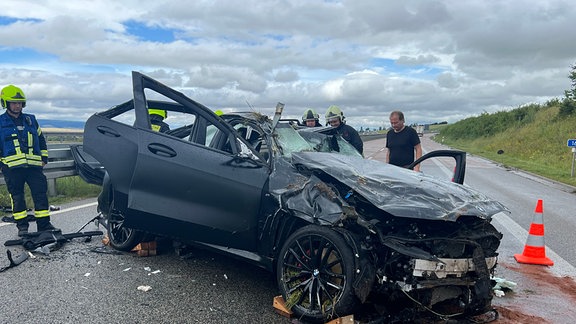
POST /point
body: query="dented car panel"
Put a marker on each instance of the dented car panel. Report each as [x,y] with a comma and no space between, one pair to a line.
[401,192]
[301,202]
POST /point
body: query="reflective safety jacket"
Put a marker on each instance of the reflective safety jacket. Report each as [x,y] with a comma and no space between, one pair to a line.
[22,143]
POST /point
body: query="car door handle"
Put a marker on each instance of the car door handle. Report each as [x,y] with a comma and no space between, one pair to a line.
[107,131]
[161,150]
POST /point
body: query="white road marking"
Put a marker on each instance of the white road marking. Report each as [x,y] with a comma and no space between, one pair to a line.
[560,268]
[74,208]
[60,211]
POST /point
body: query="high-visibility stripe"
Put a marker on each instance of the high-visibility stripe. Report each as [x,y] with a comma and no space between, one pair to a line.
[535,240]
[20,159]
[20,215]
[30,144]
[41,213]
[538,218]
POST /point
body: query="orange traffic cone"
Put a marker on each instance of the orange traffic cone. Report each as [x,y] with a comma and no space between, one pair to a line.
[534,249]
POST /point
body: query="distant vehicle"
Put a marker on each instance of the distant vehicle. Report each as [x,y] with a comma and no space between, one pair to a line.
[420,130]
[339,231]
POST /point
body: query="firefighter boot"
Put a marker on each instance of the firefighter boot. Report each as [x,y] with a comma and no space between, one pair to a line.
[22,225]
[43,224]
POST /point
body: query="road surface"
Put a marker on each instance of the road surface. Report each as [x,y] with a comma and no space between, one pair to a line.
[85,283]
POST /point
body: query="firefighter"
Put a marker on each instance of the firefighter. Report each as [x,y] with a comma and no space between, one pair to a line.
[24,153]
[157,122]
[310,118]
[335,118]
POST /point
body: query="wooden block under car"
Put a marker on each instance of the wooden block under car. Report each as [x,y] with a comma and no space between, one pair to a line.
[145,249]
[280,307]
[343,320]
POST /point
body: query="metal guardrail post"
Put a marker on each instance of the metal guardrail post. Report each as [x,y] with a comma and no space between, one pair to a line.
[52,192]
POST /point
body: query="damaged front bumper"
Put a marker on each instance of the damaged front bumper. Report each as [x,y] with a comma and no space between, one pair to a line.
[454,268]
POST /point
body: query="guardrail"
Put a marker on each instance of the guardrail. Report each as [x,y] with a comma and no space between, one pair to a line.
[60,164]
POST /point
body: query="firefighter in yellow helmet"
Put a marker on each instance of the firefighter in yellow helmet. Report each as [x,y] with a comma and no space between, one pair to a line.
[335,118]
[24,153]
[310,118]
[157,122]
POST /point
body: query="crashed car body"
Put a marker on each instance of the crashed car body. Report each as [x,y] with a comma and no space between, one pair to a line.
[338,230]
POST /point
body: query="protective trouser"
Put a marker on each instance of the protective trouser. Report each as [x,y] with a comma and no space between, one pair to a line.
[16,178]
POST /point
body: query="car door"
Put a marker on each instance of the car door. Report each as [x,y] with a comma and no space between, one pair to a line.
[113,143]
[459,172]
[183,187]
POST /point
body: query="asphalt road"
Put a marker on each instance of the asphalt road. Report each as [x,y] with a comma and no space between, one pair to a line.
[75,284]
[83,283]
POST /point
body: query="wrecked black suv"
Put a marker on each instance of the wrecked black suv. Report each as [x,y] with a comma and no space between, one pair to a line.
[339,231]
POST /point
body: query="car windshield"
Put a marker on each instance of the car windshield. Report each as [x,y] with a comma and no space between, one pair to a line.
[292,141]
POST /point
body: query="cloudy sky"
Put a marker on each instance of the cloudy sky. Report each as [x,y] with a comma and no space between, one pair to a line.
[435,60]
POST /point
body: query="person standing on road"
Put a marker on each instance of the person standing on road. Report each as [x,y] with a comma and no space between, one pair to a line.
[402,142]
[311,118]
[24,153]
[335,118]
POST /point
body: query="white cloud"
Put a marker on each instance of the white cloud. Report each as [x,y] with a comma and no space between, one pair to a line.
[435,60]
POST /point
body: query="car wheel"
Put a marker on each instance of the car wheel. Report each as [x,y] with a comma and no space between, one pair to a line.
[121,237]
[315,271]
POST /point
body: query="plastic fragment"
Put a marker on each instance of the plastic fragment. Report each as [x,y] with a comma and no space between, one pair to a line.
[144,288]
[502,285]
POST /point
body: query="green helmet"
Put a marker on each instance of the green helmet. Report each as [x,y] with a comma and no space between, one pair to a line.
[334,112]
[310,114]
[12,93]
[160,112]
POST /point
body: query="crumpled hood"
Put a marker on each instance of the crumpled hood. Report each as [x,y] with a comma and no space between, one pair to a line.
[401,192]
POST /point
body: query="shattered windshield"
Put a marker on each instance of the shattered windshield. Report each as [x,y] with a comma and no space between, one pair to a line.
[292,141]
[329,143]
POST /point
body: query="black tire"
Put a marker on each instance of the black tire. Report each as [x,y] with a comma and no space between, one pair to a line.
[121,237]
[315,272]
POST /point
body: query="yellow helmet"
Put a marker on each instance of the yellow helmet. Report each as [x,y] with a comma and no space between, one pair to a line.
[310,114]
[334,112]
[12,93]
[160,112]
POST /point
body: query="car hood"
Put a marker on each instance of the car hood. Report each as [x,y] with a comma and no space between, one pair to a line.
[401,192]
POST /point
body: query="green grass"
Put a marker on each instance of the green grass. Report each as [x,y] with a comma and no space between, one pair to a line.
[68,189]
[536,144]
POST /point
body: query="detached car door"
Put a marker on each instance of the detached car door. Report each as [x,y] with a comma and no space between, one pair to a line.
[188,189]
